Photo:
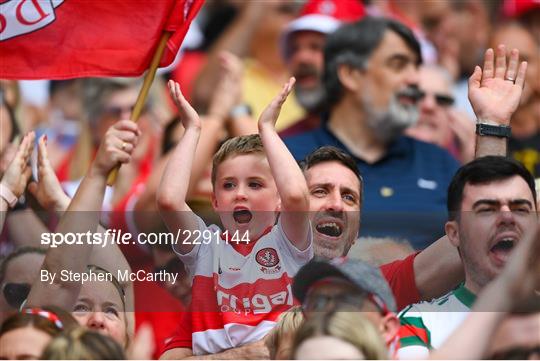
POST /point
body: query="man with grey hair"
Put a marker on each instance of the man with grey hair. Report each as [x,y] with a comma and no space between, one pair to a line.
[371,78]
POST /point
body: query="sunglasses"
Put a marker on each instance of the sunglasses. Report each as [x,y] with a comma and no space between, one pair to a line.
[320,302]
[442,100]
[354,300]
[16,293]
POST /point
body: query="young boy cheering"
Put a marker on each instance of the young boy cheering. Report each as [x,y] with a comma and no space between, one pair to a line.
[241,276]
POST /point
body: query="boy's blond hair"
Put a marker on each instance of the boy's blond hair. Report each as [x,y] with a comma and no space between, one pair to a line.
[246,144]
[287,325]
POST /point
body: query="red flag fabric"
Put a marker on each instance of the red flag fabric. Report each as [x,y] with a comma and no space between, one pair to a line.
[62,39]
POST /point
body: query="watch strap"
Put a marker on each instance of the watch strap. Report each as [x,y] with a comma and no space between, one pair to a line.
[501,131]
[8,195]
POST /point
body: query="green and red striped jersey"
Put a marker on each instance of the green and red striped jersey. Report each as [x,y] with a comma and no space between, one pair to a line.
[426,325]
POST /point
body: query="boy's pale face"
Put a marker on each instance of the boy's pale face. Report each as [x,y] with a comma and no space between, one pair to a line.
[245,195]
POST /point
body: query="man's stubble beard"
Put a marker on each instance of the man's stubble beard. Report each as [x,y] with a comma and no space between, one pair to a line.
[325,251]
[389,124]
[474,271]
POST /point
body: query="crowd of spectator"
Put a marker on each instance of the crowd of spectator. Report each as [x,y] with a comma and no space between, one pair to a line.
[325,179]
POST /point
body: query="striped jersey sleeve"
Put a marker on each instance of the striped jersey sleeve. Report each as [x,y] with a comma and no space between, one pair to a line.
[415,338]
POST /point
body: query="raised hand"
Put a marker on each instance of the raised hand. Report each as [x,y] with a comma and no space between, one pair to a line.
[270,114]
[495,91]
[47,189]
[116,147]
[228,92]
[18,171]
[188,115]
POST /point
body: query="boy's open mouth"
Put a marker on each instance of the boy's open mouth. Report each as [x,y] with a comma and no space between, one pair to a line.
[242,216]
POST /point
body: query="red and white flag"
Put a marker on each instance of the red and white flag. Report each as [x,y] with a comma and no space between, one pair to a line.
[62,39]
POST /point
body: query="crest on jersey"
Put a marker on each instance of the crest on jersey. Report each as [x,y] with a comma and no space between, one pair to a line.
[267,257]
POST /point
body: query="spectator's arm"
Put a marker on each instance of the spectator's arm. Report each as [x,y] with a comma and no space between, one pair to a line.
[173,189]
[290,182]
[440,258]
[227,98]
[236,40]
[82,216]
[25,228]
[252,351]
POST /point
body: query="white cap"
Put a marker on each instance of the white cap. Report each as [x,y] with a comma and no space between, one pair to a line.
[319,23]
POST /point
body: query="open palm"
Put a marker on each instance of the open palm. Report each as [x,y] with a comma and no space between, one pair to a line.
[271,113]
[188,115]
[495,91]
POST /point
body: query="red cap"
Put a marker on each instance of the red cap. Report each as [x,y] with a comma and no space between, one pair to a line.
[516,8]
[342,10]
[322,16]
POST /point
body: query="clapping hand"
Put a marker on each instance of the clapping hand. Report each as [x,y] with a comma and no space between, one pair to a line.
[18,171]
[188,115]
[271,113]
[46,189]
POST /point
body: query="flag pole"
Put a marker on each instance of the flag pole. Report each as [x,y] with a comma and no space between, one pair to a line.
[143,94]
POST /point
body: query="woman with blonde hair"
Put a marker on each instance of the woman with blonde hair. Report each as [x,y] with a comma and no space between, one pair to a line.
[83,344]
[338,336]
[279,340]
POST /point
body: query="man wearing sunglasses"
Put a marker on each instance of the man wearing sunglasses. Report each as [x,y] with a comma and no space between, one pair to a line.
[348,285]
[439,122]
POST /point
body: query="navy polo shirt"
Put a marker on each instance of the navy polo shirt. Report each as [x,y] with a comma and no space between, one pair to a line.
[404,192]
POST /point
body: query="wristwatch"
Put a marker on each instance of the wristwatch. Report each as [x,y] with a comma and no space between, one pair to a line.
[8,195]
[501,131]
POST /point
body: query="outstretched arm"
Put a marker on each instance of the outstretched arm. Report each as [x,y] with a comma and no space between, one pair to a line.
[290,181]
[236,39]
[173,190]
[440,258]
[82,216]
[494,93]
[48,192]
[252,351]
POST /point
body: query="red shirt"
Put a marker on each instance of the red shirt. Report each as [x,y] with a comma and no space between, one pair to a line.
[156,307]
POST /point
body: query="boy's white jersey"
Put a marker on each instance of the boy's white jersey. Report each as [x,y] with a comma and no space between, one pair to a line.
[427,325]
[239,289]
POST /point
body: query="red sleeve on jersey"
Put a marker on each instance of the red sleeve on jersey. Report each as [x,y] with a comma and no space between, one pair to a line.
[400,277]
[182,337]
